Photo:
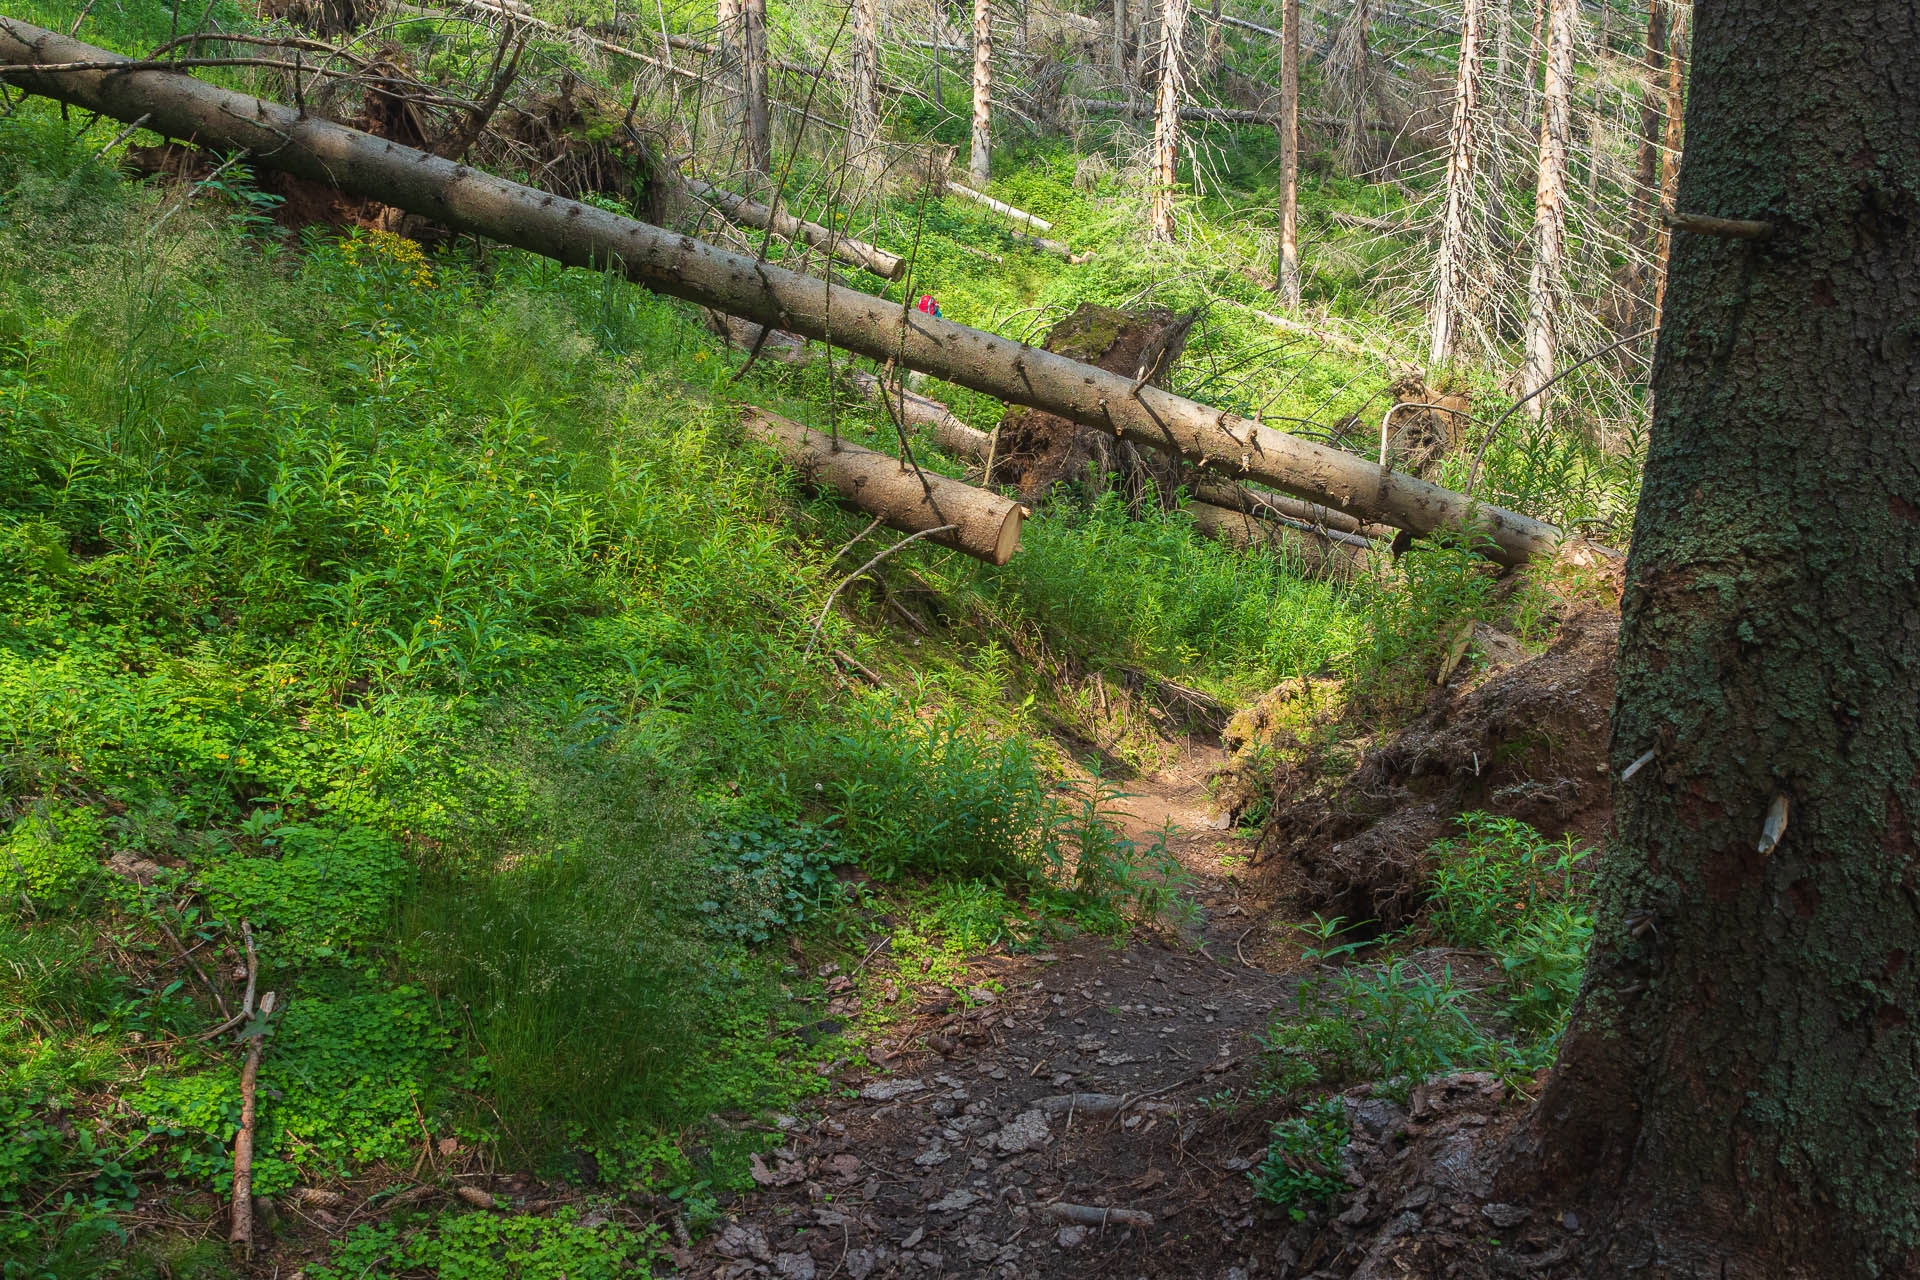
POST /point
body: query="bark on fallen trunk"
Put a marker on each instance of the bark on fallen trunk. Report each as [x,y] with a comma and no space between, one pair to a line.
[1004,210]
[916,410]
[986,525]
[478,203]
[1316,553]
[858,253]
[1258,502]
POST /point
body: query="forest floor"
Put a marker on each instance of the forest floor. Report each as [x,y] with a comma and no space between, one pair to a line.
[1080,1075]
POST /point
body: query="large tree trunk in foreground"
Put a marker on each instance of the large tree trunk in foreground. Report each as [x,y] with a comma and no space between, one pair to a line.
[1166,119]
[1287,278]
[980,162]
[858,253]
[1550,212]
[1740,1083]
[1450,283]
[469,200]
[986,525]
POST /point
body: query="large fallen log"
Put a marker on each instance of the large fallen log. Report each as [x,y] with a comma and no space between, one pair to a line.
[985,524]
[478,203]
[1259,502]
[916,410]
[858,253]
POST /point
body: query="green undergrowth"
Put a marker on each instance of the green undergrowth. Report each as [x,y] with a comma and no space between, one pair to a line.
[1498,889]
[430,619]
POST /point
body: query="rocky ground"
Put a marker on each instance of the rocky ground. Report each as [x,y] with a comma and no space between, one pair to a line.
[1075,1123]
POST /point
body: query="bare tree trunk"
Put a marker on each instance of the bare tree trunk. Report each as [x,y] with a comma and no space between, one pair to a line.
[1450,272]
[863,132]
[1166,119]
[1736,1093]
[888,266]
[470,200]
[1642,210]
[1536,54]
[1550,211]
[1289,273]
[758,123]
[1670,156]
[981,163]
[731,37]
[1210,58]
[1120,46]
[1352,79]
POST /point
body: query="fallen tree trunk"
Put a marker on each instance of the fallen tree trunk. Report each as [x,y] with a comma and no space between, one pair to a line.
[985,525]
[1317,553]
[1004,210]
[478,203]
[858,253]
[1238,497]
[1210,115]
[916,410]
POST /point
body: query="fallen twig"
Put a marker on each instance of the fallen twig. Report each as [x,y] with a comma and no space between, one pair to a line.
[241,1232]
[1091,1215]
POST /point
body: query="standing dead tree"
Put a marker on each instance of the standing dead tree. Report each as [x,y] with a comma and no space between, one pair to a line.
[756,118]
[863,107]
[1450,270]
[1166,119]
[1550,210]
[980,163]
[1288,276]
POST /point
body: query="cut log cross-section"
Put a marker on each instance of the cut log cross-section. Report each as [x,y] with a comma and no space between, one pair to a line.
[478,203]
[984,524]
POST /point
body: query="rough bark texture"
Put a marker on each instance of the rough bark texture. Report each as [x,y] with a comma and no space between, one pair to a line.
[751,213]
[1450,272]
[468,200]
[730,34]
[1289,272]
[863,108]
[1739,1084]
[980,164]
[756,121]
[1166,119]
[1550,212]
[1120,42]
[987,525]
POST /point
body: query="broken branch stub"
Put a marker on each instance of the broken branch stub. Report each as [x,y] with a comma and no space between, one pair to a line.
[469,200]
[985,525]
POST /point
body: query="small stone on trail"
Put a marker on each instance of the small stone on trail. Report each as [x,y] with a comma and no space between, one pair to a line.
[913,1237]
[859,1263]
[953,1202]
[1070,1237]
[888,1090]
[794,1266]
[931,1157]
[744,1242]
[1025,1132]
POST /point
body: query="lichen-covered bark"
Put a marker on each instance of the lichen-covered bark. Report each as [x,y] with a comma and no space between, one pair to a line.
[1742,1078]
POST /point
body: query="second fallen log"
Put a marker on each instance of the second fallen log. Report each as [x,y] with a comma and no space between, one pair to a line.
[888,266]
[985,525]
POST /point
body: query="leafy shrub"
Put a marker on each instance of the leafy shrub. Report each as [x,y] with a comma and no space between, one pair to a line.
[770,877]
[1543,962]
[1410,612]
[1487,881]
[1303,1161]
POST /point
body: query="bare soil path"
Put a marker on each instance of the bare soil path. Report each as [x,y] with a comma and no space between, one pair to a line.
[961,1146]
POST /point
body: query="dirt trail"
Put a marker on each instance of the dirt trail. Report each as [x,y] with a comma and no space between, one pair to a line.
[1082,1081]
